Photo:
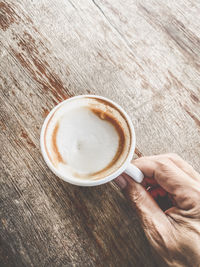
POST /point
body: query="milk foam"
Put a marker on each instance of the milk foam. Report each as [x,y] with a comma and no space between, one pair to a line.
[86,143]
[82,143]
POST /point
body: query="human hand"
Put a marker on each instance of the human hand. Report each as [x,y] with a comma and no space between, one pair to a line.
[175,233]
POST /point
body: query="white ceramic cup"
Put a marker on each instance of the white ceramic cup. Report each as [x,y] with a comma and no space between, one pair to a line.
[127,166]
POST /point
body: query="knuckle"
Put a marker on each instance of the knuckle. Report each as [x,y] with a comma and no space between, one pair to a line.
[164,167]
[196,196]
[163,163]
[189,197]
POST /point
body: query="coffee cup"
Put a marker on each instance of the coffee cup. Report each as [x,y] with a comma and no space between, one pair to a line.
[89,140]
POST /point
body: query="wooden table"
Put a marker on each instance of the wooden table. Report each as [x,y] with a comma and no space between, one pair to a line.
[145,55]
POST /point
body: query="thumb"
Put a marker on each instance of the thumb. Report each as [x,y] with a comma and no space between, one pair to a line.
[156,224]
[147,209]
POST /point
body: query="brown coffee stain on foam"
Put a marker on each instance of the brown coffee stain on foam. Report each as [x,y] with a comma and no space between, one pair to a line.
[58,158]
[108,104]
[112,120]
[105,103]
[45,137]
[107,115]
[104,115]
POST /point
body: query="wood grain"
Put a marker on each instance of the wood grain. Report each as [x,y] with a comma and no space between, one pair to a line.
[145,55]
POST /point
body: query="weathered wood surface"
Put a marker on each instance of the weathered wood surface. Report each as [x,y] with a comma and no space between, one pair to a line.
[145,55]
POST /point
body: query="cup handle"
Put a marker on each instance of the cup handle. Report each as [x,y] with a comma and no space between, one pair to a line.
[134,173]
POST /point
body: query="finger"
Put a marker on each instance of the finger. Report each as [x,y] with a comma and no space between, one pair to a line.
[153,219]
[179,162]
[147,165]
[185,166]
[164,171]
[138,195]
[170,177]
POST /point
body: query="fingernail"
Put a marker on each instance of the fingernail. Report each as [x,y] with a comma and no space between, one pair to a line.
[121,182]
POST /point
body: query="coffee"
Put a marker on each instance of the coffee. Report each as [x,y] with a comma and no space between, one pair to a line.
[87,138]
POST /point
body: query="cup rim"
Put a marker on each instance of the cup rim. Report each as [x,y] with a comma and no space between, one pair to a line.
[84,182]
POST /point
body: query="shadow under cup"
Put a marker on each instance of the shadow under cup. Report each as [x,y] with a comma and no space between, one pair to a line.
[87,140]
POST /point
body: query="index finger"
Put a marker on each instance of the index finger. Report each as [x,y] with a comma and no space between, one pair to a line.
[168,175]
